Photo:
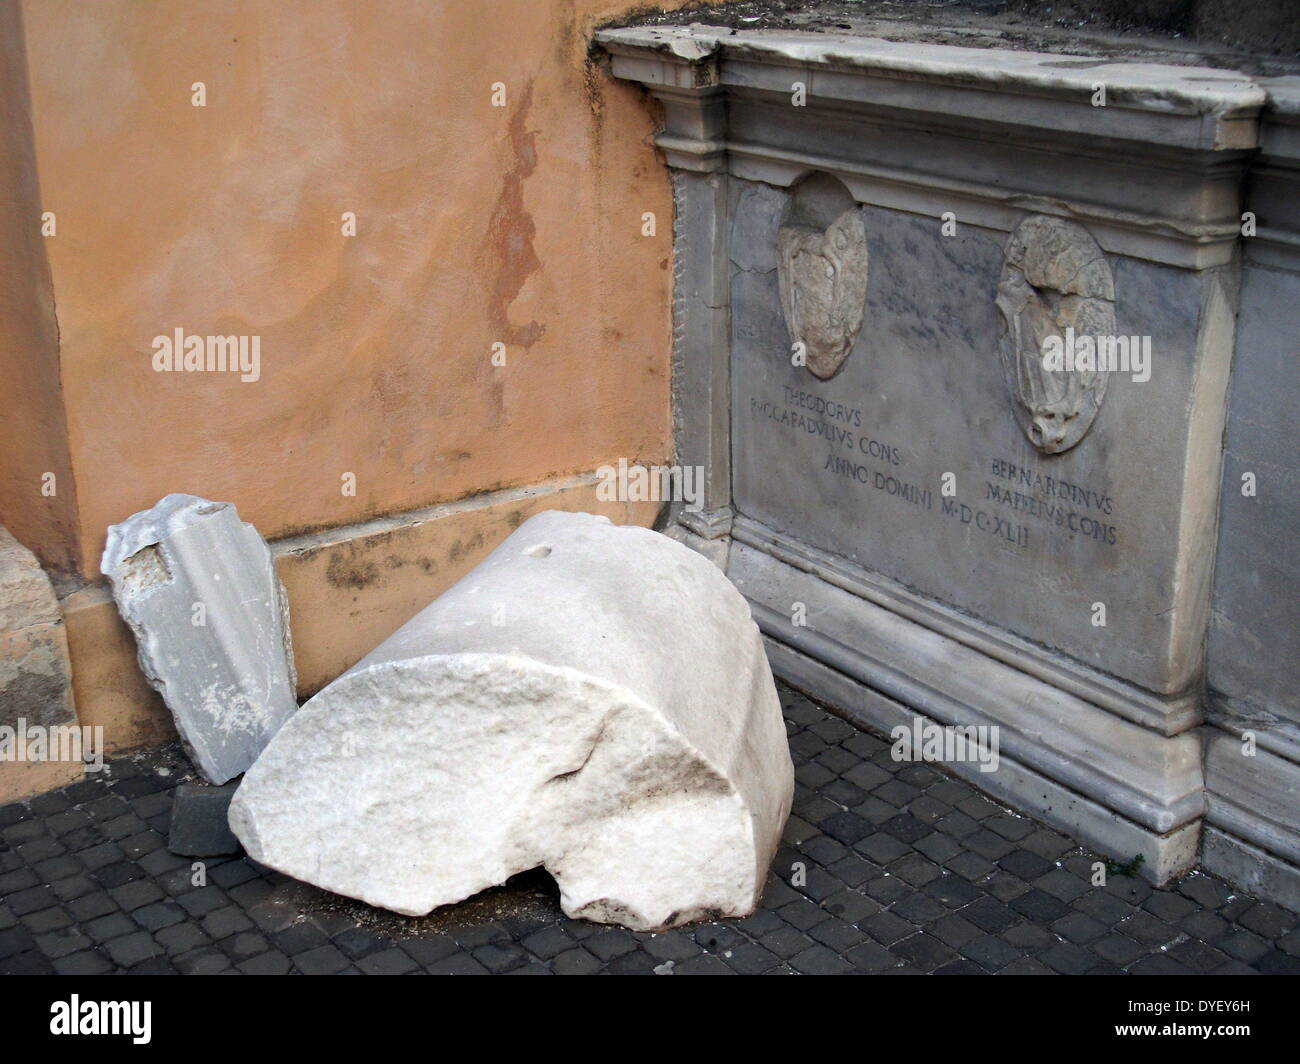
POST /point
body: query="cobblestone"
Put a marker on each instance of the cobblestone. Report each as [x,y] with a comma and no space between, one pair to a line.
[884,868]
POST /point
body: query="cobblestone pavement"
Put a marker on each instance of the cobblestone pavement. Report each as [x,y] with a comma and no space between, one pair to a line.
[907,871]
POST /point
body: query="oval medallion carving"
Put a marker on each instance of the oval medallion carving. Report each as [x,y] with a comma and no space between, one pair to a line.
[822,273]
[1054,278]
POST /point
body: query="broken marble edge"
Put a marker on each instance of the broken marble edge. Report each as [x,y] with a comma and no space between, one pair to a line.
[1130,84]
[762,825]
[623,695]
[150,526]
[125,542]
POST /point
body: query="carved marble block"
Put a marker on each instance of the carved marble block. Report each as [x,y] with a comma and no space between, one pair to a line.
[822,273]
[1055,283]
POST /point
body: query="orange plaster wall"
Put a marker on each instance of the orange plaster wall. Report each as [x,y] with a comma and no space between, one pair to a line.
[37,492]
[475,224]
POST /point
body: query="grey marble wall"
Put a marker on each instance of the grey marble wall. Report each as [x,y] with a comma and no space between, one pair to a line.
[855,465]
[1254,642]
[893,597]
[1252,739]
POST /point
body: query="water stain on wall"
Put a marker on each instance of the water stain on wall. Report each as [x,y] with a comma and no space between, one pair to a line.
[511,230]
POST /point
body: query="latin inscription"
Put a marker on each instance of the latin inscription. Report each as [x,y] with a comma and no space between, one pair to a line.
[1015,503]
[1059,503]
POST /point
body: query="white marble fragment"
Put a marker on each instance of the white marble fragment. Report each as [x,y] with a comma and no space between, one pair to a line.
[199,590]
[592,699]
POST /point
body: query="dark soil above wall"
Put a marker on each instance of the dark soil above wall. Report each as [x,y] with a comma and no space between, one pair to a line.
[1255,36]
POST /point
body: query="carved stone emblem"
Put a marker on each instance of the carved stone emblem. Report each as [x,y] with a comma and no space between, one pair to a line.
[1055,283]
[822,275]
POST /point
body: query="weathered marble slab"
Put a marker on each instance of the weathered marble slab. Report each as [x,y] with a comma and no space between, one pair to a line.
[1253,654]
[1029,540]
[198,589]
[1254,642]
